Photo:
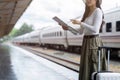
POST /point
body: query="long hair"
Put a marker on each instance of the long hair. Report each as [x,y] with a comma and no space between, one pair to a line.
[87,10]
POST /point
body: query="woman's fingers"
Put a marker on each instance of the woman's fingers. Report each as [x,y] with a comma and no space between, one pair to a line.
[65,28]
[74,21]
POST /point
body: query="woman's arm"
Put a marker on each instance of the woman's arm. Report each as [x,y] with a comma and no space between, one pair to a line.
[96,23]
[81,29]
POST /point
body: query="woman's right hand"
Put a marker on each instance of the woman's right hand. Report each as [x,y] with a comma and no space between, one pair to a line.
[64,27]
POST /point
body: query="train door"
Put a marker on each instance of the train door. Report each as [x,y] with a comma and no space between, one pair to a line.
[66,39]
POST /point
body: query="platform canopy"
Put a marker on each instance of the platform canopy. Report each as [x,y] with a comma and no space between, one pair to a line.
[10,12]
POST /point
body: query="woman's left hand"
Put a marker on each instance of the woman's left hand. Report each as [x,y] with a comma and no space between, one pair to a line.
[76,21]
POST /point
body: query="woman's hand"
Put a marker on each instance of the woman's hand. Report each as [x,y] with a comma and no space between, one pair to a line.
[75,21]
[64,27]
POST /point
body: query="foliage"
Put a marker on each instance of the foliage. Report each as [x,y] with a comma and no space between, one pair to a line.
[13,32]
[25,28]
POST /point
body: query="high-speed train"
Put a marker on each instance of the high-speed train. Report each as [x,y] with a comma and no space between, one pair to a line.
[56,37]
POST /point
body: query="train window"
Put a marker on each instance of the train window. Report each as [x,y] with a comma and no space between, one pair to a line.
[57,33]
[118,26]
[109,27]
[52,34]
[60,33]
[43,35]
[47,35]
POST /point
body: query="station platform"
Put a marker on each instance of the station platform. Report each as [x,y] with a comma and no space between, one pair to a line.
[19,64]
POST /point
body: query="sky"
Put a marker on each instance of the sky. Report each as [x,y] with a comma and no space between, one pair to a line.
[40,12]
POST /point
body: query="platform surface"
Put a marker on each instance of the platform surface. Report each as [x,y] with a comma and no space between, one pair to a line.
[18,64]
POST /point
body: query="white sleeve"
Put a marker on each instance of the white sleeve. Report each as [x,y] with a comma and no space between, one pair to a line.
[96,23]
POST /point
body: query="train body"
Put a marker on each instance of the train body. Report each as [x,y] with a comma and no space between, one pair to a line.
[58,38]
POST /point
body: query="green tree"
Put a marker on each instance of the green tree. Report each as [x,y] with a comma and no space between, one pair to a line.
[13,33]
[25,29]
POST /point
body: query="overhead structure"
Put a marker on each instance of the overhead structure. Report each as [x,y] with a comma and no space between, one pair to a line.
[10,12]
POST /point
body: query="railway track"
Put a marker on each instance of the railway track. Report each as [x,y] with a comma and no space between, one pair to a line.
[64,62]
[114,64]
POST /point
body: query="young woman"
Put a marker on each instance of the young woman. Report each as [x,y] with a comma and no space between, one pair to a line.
[90,25]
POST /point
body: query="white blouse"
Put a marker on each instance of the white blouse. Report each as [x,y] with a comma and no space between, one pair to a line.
[92,24]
